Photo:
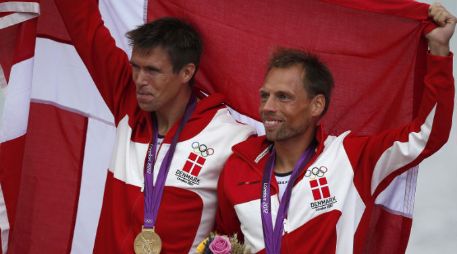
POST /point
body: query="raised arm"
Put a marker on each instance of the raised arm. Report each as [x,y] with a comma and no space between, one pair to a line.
[107,64]
[383,156]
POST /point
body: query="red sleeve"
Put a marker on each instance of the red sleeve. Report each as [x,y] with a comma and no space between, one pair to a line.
[378,159]
[226,219]
[107,64]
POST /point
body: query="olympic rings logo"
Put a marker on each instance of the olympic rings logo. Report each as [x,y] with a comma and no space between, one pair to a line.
[202,149]
[316,172]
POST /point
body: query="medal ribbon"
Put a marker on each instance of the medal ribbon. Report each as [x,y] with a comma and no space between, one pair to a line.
[153,194]
[272,237]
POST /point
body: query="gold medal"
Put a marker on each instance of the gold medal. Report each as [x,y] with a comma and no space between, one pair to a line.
[147,242]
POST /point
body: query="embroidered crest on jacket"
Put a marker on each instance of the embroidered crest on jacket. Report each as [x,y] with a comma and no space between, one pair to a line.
[320,188]
[194,164]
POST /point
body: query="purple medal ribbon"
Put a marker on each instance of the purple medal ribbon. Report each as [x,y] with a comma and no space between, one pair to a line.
[272,237]
[153,194]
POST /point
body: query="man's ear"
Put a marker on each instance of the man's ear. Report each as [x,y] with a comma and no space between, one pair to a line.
[187,72]
[318,105]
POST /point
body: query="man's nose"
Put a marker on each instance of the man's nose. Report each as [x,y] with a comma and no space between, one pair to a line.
[139,77]
[269,105]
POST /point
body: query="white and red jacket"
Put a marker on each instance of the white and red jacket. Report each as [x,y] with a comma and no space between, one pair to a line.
[334,195]
[187,211]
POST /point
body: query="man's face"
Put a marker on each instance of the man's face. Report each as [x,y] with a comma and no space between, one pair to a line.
[156,83]
[285,107]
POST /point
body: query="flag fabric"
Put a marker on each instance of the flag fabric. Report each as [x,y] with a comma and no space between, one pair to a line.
[56,132]
[18,21]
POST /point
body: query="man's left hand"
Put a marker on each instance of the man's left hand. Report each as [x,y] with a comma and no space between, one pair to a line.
[438,39]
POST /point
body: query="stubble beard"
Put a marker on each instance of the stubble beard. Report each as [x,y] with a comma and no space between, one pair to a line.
[148,107]
[283,133]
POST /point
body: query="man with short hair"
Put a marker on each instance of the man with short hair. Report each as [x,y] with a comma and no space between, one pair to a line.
[300,190]
[171,142]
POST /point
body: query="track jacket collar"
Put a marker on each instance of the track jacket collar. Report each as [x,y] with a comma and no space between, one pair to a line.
[255,151]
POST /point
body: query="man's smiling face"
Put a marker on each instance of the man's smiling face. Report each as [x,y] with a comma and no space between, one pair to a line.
[285,105]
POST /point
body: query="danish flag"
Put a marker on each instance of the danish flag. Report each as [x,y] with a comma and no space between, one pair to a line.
[320,188]
[194,164]
[47,85]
